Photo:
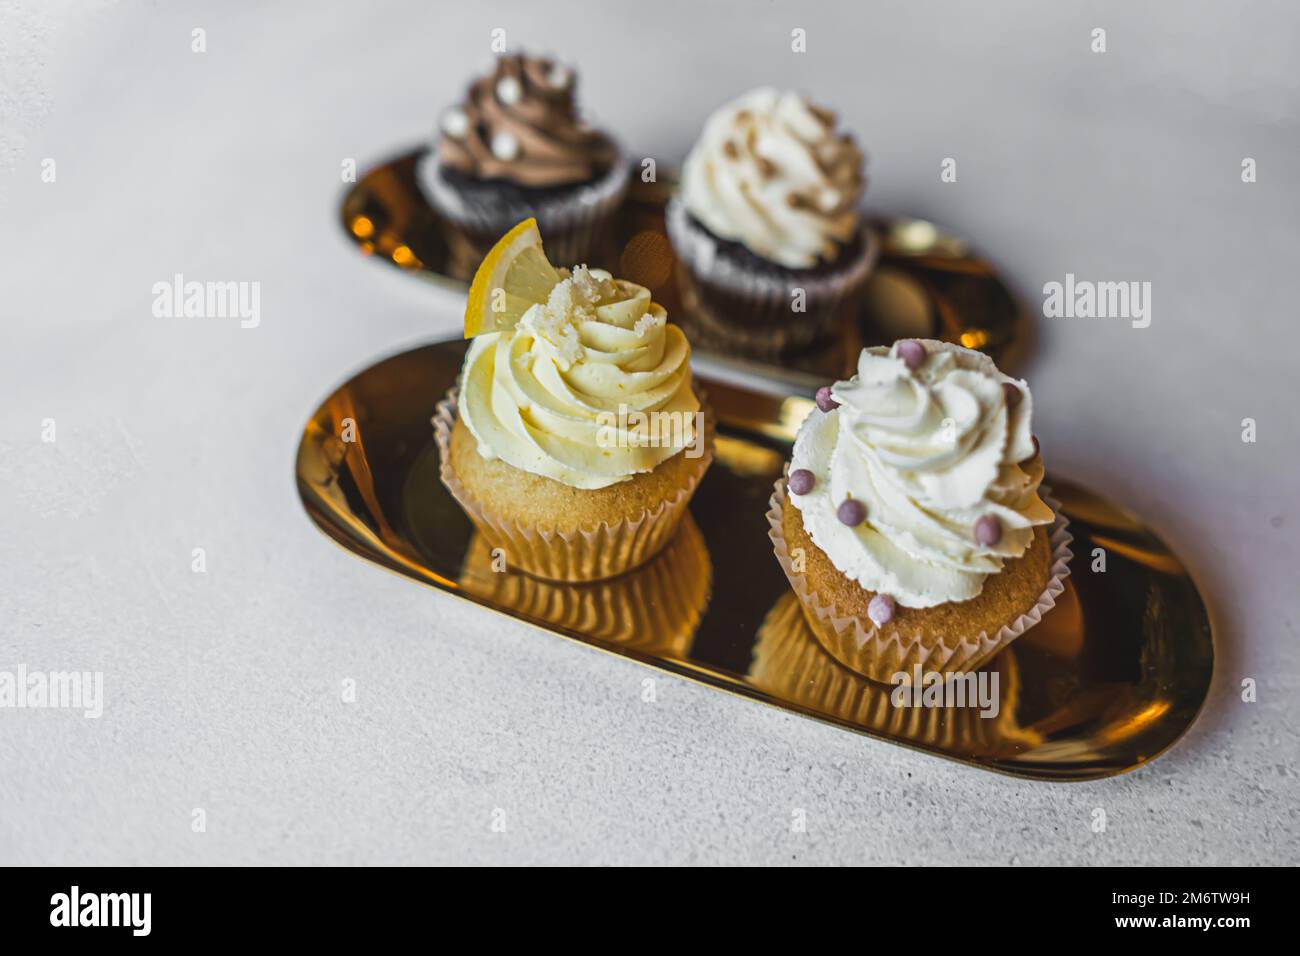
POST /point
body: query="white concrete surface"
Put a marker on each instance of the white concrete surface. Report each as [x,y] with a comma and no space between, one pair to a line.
[222,689]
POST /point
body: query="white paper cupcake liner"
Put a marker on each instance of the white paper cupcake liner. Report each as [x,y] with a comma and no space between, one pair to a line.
[587,554]
[859,644]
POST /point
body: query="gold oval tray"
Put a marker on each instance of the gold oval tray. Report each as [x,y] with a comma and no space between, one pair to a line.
[1113,675]
[926,283]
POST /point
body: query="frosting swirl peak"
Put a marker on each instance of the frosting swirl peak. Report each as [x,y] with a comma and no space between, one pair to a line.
[520,124]
[769,171]
[937,454]
[558,395]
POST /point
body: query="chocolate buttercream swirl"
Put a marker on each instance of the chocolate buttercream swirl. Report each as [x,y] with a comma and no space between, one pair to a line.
[521,124]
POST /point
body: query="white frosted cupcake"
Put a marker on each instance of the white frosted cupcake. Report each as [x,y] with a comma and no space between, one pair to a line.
[912,527]
[766,224]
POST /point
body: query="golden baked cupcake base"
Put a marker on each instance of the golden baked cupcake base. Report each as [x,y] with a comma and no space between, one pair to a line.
[559,533]
[943,639]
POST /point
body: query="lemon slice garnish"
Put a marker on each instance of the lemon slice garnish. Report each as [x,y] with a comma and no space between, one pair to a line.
[513,277]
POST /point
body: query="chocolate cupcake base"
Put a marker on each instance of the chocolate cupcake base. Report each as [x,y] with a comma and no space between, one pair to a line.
[749,303]
[576,222]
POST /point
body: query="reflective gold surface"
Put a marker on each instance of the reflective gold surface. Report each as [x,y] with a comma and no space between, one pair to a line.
[927,283]
[653,610]
[1110,678]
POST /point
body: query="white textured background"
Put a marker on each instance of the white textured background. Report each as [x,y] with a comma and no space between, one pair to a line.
[223,689]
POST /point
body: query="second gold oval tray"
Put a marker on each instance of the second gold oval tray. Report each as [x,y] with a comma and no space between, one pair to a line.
[926,284]
[1110,678]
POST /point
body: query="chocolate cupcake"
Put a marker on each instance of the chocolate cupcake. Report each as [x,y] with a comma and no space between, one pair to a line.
[517,149]
[771,246]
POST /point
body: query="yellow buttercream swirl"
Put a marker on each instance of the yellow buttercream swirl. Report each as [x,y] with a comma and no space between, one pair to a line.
[578,390]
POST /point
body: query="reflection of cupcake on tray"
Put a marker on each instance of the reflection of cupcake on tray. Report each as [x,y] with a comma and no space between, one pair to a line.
[791,665]
[514,148]
[766,226]
[576,438]
[911,527]
[654,609]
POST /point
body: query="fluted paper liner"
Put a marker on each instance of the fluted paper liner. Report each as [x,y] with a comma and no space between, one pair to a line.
[790,663]
[654,609]
[856,642]
[587,554]
[749,309]
[574,230]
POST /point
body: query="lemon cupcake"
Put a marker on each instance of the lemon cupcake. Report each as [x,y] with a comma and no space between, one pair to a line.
[516,146]
[910,524]
[576,438]
[772,249]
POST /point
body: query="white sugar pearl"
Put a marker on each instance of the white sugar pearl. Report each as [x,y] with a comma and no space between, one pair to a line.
[828,199]
[504,146]
[455,123]
[509,91]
